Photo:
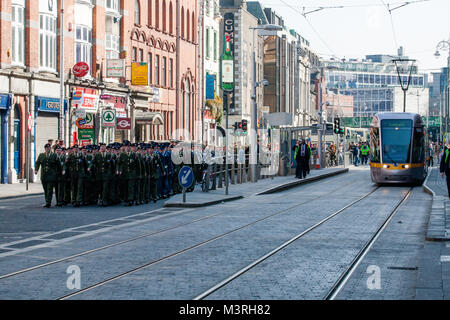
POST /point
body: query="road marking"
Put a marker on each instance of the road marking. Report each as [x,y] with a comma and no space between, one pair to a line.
[105,228]
[445,258]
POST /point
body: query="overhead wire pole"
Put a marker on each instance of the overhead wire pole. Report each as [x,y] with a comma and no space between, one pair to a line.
[61,75]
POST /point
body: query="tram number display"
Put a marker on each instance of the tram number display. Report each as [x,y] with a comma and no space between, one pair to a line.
[396,123]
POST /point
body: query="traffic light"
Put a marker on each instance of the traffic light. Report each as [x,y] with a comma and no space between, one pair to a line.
[239,129]
[244,127]
[337,125]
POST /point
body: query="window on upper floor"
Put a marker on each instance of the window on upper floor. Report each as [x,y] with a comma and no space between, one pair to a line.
[112,37]
[113,5]
[83,45]
[18,33]
[157,14]
[137,12]
[47,41]
[207,44]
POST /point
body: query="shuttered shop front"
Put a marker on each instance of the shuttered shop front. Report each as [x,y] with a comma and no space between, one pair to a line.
[47,122]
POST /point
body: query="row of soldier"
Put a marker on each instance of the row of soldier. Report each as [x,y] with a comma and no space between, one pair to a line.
[133,174]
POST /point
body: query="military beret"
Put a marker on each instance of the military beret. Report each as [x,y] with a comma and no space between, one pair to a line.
[48,145]
[75,146]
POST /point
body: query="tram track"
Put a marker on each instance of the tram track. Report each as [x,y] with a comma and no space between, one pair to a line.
[150,234]
[188,249]
[343,279]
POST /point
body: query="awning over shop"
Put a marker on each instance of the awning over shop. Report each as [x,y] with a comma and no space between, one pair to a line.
[154,118]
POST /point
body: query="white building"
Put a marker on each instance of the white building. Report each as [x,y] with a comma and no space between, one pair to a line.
[211,65]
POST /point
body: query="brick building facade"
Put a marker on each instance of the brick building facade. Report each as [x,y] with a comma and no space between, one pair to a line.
[162,33]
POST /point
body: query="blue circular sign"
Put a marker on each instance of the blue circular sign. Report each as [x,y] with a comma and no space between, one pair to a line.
[186,177]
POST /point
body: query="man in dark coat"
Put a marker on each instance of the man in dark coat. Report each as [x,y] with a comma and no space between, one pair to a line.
[445,167]
[301,156]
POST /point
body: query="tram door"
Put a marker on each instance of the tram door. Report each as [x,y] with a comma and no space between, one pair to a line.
[17,137]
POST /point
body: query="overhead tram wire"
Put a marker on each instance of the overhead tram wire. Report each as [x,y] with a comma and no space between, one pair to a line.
[303,14]
[394,6]
[367,5]
[392,24]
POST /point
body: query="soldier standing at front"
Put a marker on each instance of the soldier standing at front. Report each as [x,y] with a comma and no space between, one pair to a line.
[60,185]
[50,165]
[77,166]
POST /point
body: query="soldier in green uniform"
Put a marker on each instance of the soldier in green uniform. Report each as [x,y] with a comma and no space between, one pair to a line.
[137,166]
[122,160]
[127,171]
[78,167]
[61,176]
[143,172]
[116,184]
[50,167]
[155,168]
[105,170]
[66,176]
[89,183]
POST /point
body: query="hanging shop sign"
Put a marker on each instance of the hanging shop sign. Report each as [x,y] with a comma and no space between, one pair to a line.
[90,99]
[139,74]
[81,69]
[85,123]
[123,124]
[115,68]
[109,118]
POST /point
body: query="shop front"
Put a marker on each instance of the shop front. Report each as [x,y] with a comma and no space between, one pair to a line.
[109,134]
[5,106]
[47,112]
[85,123]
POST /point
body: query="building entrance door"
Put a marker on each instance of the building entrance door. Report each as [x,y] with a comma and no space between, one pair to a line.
[17,137]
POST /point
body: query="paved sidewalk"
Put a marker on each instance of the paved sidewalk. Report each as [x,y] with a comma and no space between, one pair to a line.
[197,198]
[439,224]
[18,190]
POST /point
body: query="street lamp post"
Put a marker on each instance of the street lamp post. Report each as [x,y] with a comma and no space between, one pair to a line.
[61,76]
[445,45]
[273,29]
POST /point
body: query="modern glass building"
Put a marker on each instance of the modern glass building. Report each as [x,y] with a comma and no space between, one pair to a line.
[371,82]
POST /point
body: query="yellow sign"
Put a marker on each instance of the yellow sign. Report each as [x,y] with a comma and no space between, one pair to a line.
[139,74]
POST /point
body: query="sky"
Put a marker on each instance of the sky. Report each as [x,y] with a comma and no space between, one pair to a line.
[365,27]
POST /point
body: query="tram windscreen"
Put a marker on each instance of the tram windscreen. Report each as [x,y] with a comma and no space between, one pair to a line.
[396,139]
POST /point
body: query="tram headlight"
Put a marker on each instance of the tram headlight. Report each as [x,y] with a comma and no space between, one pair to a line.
[407,167]
[385,166]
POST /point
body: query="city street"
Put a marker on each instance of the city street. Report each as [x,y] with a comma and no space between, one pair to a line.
[295,244]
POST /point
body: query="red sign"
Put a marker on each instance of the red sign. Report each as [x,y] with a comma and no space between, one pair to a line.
[30,122]
[85,142]
[80,69]
[123,124]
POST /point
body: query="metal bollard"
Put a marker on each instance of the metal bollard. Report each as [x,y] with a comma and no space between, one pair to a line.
[232,176]
[214,177]
[221,175]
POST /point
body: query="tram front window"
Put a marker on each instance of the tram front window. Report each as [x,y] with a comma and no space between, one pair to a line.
[396,139]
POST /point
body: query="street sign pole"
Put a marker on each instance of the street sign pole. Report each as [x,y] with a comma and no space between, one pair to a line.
[184,195]
[61,76]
